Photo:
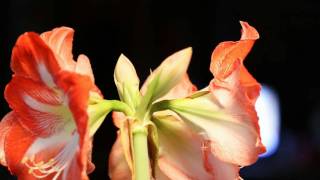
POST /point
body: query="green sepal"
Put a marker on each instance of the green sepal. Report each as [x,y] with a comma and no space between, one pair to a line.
[165,77]
[127,82]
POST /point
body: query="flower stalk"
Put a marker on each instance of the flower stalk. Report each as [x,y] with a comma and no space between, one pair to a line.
[141,155]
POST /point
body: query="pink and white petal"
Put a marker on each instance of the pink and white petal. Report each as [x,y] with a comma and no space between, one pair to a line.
[118,166]
[180,149]
[232,142]
[221,170]
[232,131]
[5,125]
[42,108]
[83,66]
[235,91]
[159,174]
[237,94]
[60,42]
[32,58]
[125,136]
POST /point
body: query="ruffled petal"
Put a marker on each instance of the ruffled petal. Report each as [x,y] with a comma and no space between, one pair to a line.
[227,118]
[183,154]
[226,53]
[60,42]
[227,115]
[236,90]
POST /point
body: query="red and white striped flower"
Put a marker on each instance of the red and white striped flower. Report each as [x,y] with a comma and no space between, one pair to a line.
[47,134]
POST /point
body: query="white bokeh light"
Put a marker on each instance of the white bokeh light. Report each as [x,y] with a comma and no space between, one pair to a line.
[268,110]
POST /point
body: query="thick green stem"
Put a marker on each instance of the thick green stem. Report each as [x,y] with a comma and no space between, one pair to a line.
[141,156]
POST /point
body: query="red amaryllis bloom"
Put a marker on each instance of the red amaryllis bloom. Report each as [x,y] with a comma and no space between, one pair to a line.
[47,135]
[206,134]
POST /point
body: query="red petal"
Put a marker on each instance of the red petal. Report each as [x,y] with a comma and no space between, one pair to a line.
[226,53]
[32,100]
[5,125]
[17,142]
[90,166]
[32,58]
[77,88]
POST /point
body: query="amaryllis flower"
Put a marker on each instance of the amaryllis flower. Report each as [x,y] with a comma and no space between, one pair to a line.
[48,133]
[205,134]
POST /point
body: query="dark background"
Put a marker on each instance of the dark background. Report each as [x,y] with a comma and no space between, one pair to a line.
[285,58]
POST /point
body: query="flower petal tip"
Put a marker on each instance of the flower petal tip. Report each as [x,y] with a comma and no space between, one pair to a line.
[186,52]
[124,71]
[180,59]
[123,60]
[248,32]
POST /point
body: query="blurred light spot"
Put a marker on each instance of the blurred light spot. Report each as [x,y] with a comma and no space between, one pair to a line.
[268,110]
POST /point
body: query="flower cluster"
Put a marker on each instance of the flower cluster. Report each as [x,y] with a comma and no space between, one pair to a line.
[168,129]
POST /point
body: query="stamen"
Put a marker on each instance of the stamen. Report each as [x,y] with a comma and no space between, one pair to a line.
[57,164]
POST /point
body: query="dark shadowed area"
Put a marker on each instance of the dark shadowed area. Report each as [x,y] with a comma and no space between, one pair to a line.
[285,58]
